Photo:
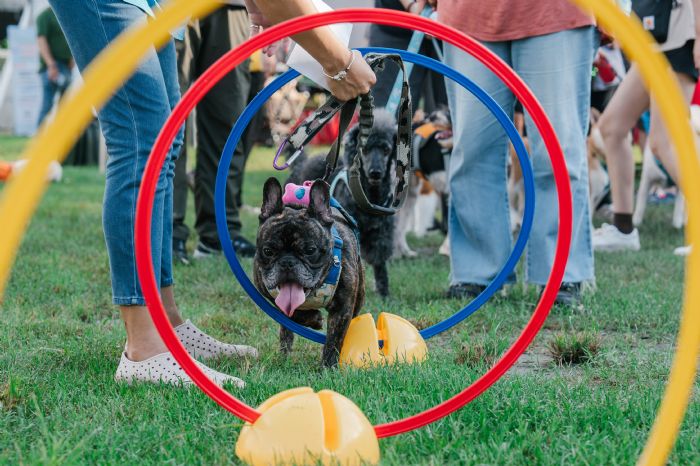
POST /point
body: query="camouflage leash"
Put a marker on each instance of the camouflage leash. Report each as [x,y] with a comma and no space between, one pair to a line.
[314,122]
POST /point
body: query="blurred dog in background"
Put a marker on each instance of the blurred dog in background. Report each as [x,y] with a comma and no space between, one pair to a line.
[428,190]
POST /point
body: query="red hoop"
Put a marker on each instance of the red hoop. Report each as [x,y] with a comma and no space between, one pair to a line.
[295,26]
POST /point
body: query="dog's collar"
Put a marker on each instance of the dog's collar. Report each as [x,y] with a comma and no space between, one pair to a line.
[322,296]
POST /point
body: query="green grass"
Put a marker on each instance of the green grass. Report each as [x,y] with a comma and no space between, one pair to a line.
[61,339]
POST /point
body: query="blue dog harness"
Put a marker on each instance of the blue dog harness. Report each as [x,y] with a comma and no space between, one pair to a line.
[322,296]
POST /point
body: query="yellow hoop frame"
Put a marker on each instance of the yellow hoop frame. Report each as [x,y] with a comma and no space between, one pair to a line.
[114,65]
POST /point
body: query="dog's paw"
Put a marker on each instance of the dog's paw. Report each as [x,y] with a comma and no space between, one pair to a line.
[445,248]
[403,254]
[402,250]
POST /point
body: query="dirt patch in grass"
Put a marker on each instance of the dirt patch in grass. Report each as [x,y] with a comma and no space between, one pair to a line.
[10,397]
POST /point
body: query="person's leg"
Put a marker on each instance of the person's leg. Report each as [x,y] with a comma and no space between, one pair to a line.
[181,231]
[479,223]
[197,342]
[168,64]
[67,78]
[216,114]
[557,67]
[250,136]
[433,85]
[49,91]
[616,122]
[660,144]
[131,121]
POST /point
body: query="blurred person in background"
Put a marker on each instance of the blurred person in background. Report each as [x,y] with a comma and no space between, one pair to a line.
[425,84]
[55,60]
[631,100]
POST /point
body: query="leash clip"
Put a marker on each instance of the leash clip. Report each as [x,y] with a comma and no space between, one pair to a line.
[294,156]
[290,160]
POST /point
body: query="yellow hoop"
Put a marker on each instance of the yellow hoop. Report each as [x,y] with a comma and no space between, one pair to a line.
[657,75]
[115,64]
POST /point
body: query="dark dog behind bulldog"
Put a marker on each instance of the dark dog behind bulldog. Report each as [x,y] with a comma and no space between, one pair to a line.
[379,162]
[295,254]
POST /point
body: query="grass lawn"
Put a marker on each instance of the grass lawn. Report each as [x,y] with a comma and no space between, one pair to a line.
[61,340]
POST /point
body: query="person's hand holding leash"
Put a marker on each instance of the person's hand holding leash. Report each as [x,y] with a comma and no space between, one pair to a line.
[355,79]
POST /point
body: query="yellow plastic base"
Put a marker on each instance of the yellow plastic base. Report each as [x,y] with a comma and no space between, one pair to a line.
[299,427]
[402,342]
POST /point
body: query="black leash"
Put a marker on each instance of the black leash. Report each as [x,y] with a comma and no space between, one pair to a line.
[314,122]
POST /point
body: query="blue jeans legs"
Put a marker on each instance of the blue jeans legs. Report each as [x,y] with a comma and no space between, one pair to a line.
[131,121]
[557,67]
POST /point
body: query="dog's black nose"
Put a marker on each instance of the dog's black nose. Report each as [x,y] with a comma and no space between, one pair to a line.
[286,263]
[375,174]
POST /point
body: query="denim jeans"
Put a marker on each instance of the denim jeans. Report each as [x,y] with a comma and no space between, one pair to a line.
[130,121]
[52,88]
[557,67]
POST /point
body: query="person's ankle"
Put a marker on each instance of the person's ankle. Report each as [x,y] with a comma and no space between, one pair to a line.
[623,222]
[142,350]
[170,304]
[174,317]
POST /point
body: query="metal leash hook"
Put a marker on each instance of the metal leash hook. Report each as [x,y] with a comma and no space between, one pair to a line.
[288,163]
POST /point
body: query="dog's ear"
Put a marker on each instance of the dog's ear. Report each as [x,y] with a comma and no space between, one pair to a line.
[320,202]
[272,199]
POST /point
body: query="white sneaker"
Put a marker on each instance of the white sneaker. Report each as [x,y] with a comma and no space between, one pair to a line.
[163,368]
[202,346]
[608,238]
[683,251]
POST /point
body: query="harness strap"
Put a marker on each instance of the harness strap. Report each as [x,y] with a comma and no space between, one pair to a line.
[334,273]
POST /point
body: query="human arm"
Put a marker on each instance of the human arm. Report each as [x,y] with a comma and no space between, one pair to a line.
[45,52]
[321,43]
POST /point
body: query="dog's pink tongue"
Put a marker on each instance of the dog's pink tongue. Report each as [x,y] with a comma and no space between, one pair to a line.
[290,298]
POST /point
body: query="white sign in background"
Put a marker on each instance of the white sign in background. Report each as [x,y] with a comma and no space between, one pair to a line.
[26,83]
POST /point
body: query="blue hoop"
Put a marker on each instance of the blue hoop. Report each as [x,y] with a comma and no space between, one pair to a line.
[434,65]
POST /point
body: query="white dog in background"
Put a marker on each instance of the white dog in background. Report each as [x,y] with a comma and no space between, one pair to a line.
[653,176]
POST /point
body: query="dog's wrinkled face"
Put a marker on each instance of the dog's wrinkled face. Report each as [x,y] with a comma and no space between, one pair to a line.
[294,246]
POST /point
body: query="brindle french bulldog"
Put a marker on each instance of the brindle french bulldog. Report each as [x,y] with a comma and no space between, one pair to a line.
[294,255]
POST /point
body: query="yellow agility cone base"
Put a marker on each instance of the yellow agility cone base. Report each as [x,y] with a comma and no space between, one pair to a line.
[402,341]
[298,427]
